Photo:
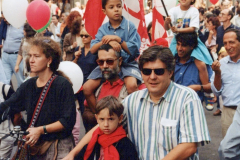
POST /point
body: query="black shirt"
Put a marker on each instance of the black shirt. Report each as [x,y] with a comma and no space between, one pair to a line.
[59,105]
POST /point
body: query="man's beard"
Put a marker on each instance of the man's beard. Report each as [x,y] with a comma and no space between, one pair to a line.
[112,73]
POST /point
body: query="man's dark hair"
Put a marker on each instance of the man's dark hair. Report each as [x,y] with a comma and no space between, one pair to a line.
[106,47]
[236,31]
[112,104]
[55,16]
[154,53]
[238,10]
[187,39]
[230,13]
[104,3]
[216,11]
[201,10]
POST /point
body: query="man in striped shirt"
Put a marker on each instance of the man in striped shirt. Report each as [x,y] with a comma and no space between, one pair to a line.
[165,120]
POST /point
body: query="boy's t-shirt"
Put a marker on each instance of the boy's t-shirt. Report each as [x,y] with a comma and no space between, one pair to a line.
[128,32]
[184,19]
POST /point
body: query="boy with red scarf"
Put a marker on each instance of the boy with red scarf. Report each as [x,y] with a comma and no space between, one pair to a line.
[109,141]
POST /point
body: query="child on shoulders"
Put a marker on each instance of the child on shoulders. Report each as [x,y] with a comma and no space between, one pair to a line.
[122,35]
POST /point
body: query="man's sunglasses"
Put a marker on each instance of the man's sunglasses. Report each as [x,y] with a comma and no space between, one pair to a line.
[84,35]
[108,61]
[157,71]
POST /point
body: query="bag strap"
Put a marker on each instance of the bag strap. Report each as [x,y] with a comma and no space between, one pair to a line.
[3,92]
[41,100]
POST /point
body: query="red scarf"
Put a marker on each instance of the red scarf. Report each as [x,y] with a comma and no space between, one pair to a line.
[106,141]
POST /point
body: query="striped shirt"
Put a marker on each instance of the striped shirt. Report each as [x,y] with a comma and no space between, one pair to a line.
[156,128]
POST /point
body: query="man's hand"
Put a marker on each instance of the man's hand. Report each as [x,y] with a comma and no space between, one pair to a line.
[116,46]
[216,67]
[106,39]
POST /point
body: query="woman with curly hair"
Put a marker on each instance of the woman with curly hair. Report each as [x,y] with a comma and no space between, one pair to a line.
[24,47]
[49,102]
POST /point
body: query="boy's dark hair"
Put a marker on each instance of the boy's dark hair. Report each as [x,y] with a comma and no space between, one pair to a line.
[112,104]
[106,47]
[216,11]
[187,39]
[154,53]
[104,3]
[236,31]
[30,32]
[193,2]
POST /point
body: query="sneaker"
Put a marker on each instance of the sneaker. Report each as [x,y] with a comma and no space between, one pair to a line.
[209,107]
[218,112]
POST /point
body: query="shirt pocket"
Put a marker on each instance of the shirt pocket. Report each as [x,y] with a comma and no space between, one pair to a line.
[168,134]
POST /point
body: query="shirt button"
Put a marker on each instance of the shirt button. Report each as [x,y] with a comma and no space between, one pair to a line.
[180,73]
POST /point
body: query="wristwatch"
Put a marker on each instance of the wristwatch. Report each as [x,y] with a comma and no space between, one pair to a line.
[202,90]
[45,130]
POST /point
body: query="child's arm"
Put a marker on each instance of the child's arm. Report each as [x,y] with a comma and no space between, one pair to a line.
[19,59]
[95,47]
[85,140]
[182,30]
[167,23]
[203,73]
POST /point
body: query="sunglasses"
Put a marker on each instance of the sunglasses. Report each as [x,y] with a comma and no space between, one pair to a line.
[84,35]
[108,61]
[157,71]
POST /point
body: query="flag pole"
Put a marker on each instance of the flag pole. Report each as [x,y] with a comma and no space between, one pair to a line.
[166,11]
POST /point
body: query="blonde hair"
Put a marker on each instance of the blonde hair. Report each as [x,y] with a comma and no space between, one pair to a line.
[222,50]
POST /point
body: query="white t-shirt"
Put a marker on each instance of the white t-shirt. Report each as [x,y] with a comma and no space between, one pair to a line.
[184,19]
[237,20]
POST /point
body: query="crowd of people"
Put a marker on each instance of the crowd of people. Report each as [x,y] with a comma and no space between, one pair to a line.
[132,105]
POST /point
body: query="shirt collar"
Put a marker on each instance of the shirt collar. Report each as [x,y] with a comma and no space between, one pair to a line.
[230,61]
[166,96]
[118,82]
[189,61]
[120,26]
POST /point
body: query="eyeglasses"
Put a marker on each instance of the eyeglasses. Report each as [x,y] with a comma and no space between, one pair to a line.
[108,61]
[222,14]
[157,71]
[84,35]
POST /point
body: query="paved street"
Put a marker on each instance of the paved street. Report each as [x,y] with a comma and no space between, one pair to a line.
[209,152]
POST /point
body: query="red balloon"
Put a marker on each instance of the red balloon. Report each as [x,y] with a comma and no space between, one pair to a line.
[38,14]
[213,1]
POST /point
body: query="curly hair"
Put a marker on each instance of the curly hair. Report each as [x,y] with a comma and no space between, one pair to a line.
[187,39]
[50,48]
[71,17]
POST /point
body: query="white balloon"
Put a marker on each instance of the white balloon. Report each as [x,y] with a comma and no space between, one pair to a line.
[15,12]
[74,73]
[168,4]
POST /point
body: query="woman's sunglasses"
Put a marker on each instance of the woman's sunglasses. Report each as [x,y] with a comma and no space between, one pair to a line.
[84,35]
[157,71]
[108,61]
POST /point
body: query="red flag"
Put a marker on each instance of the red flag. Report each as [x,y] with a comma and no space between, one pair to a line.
[132,11]
[158,30]
[93,16]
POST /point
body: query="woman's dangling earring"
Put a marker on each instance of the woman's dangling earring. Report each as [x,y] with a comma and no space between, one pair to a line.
[48,65]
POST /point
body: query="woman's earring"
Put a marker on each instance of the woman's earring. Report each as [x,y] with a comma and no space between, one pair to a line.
[48,65]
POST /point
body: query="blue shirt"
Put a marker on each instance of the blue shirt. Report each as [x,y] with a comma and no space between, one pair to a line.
[187,74]
[230,76]
[128,32]
[13,39]
[86,63]
[229,147]
[220,34]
